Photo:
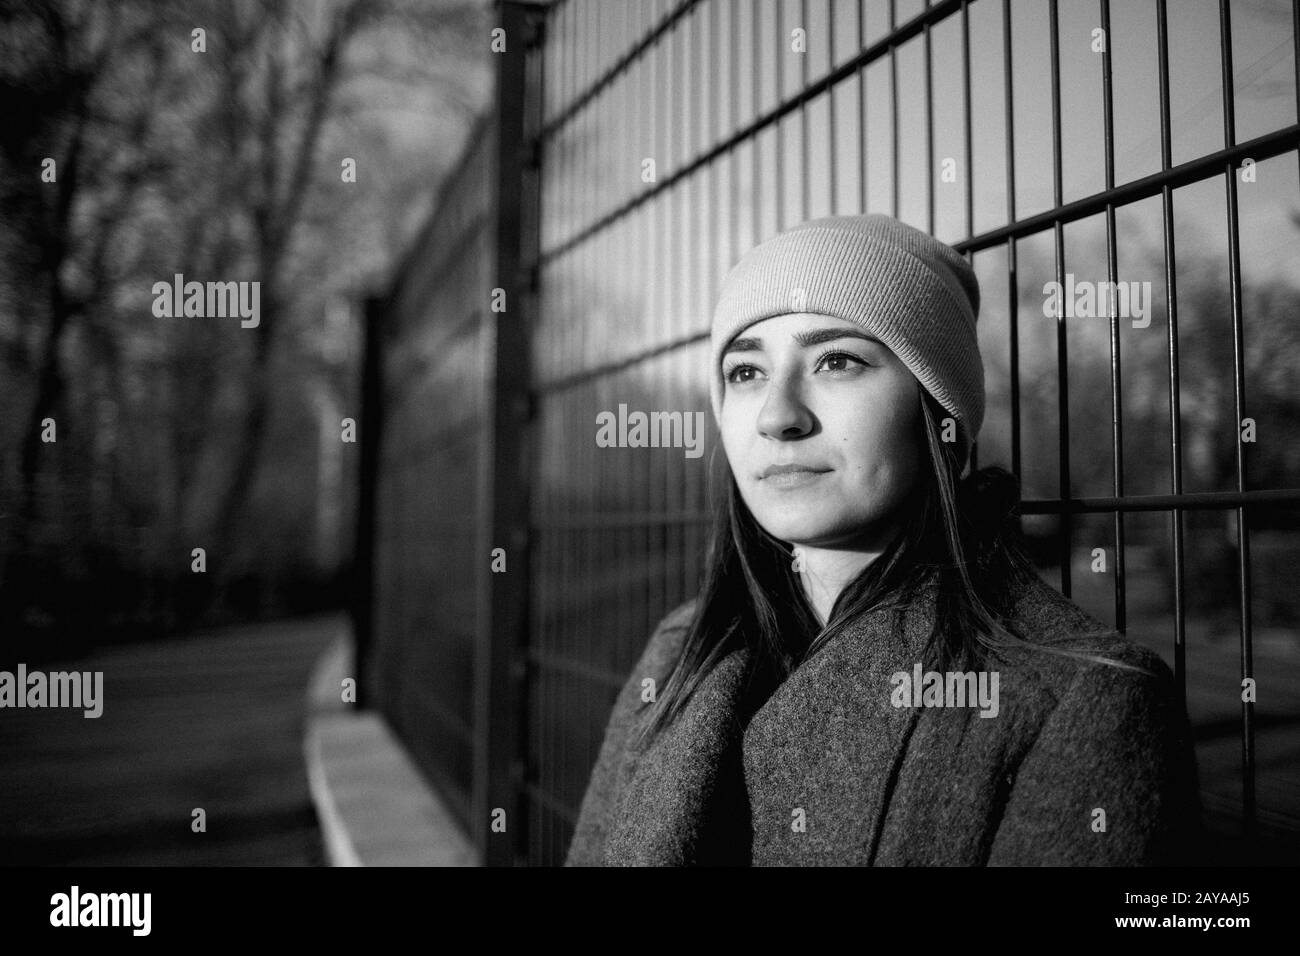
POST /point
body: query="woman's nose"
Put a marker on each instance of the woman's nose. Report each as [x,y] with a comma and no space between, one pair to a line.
[784,415]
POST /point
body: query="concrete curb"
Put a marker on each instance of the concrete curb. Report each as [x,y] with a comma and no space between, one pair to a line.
[374,806]
[339,849]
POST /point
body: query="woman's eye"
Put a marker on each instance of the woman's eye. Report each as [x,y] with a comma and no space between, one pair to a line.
[838,361]
[733,376]
[831,361]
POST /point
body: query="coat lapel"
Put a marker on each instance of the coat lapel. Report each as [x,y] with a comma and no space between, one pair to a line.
[684,802]
[822,756]
[717,789]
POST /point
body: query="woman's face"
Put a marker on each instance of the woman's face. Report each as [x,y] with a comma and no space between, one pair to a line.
[822,394]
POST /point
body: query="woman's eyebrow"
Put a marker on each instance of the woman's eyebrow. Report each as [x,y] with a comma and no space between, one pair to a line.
[818,336]
[804,339]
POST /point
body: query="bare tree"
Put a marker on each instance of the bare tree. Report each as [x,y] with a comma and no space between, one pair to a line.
[219,164]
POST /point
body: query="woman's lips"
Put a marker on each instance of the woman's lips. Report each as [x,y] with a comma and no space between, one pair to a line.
[791,476]
[786,469]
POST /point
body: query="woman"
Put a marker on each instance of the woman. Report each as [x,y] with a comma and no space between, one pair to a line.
[873,673]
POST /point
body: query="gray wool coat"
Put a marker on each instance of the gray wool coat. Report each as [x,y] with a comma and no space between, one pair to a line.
[1084,763]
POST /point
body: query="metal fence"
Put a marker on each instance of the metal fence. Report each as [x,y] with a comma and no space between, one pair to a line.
[430,493]
[639,148]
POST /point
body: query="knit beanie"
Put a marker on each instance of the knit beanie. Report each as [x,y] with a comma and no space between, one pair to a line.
[916,294]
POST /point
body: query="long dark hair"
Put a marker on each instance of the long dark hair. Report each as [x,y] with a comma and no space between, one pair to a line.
[964,529]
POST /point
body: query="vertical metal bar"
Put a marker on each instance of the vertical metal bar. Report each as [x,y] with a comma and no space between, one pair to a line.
[682,51]
[733,60]
[694,237]
[534,91]
[966,119]
[556,601]
[611,488]
[655,82]
[967,153]
[709,114]
[559,15]
[543,674]
[1062,357]
[594,44]
[542,632]
[804,198]
[671,557]
[557,697]
[617,140]
[660,134]
[571,55]
[716,201]
[733,184]
[581,538]
[589,12]
[1175,414]
[1229,104]
[1112,269]
[830,105]
[587,615]
[1013,279]
[929,132]
[893,101]
[578,536]
[549,555]
[648,552]
[757,190]
[372,420]
[646,548]
[506,609]
[685,187]
[1239,392]
[542,597]
[863,172]
[591,151]
[566,131]
[778,126]
[714,133]
[635,538]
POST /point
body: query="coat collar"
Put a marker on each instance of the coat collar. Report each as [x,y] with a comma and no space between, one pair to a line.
[830,744]
[686,798]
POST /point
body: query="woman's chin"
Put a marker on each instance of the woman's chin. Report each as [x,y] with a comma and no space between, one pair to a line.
[818,532]
[796,532]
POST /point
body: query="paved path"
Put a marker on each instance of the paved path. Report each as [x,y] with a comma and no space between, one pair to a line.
[212,721]
[216,721]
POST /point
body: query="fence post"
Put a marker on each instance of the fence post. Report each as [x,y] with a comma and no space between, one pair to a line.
[503,597]
[363,567]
